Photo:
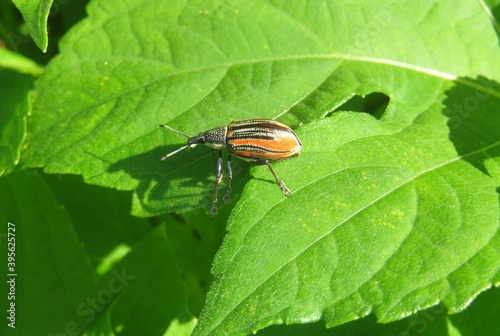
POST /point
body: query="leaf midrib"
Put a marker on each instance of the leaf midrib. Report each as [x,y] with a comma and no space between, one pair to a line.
[331,56]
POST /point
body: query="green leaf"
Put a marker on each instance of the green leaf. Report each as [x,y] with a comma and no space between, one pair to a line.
[52,272]
[197,239]
[14,61]
[36,13]
[138,266]
[55,287]
[154,286]
[392,213]
[98,105]
[69,124]
[479,319]
[100,218]
[15,108]
[482,316]
[400,227]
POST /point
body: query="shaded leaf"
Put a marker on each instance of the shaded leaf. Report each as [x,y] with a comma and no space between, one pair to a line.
[197,239]
[479,319]
[53,273]
[154,286]
[100,217]
[15,108]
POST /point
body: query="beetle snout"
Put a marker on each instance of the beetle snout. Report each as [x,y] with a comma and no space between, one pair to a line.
[197,140]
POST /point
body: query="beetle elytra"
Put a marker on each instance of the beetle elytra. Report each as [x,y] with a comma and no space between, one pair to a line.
[261,141]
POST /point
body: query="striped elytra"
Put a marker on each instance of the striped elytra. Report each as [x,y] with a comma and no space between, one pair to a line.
[258,140]
[262,139]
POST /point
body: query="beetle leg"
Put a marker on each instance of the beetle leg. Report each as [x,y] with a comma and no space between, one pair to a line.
[282,185]
[217,180]
[229,179]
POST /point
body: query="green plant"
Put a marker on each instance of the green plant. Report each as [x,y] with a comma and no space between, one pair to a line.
[394,220]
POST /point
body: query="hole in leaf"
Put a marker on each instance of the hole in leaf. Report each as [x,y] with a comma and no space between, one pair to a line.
[375,104]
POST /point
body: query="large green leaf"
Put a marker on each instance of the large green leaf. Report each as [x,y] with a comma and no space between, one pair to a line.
[200,65]
[389,222]
[391,214]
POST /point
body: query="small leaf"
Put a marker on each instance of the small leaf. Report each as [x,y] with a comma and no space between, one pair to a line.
[36,13]
[11,60]
[15,108]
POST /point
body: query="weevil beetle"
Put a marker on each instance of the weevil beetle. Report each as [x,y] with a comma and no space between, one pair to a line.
[261,141]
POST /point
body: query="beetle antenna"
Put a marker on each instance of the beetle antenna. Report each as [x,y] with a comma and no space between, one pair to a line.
[174,130]
[179,149]
[175,152]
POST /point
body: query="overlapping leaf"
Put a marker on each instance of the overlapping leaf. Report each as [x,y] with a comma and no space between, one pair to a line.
[46,294]
[55,289]
[36,14]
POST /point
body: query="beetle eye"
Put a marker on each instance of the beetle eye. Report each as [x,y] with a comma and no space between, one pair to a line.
[201,139]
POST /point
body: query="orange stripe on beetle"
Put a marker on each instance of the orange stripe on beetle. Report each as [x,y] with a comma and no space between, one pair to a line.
[257,140]
[262,139]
